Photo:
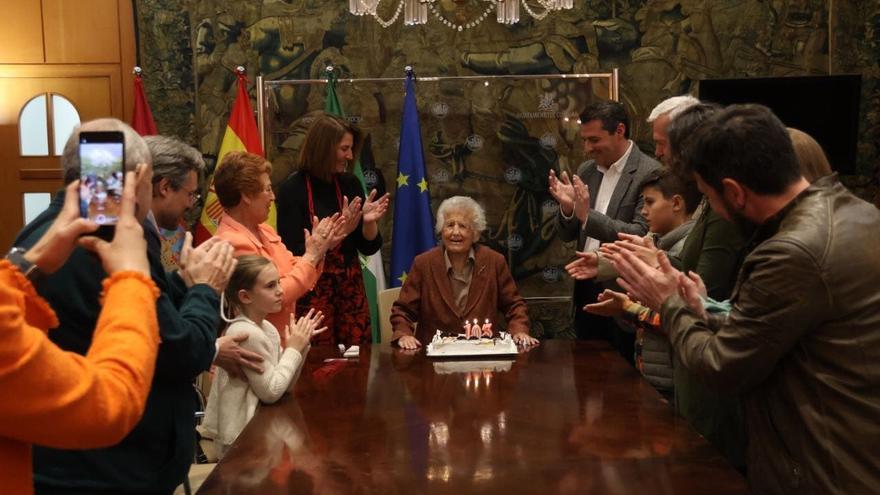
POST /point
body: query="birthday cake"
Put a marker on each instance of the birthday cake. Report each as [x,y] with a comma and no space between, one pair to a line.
[476,341]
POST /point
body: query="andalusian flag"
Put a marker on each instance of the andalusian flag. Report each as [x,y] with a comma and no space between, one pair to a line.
[371,266]
[413,231]
[241,135]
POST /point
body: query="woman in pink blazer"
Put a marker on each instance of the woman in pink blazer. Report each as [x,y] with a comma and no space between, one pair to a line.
[245,192]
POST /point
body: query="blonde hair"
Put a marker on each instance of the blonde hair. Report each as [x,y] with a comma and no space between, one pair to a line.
[243,277]
[810,156]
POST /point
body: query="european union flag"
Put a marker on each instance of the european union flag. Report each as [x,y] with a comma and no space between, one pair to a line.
[413,231]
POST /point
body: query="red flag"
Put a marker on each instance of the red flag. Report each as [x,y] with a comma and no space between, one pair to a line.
[241,135]
[142,118]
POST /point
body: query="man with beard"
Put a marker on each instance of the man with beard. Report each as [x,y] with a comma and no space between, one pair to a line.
[801,342]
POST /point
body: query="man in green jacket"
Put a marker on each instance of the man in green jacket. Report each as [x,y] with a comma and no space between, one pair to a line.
[714,249]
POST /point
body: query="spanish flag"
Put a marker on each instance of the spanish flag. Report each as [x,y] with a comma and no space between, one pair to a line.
[241,135]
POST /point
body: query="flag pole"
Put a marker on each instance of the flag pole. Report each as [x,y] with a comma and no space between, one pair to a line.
[261,113]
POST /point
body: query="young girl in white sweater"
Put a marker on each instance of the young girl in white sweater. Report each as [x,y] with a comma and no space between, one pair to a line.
[253,292]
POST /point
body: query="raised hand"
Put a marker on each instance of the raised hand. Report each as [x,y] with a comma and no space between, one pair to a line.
[373,208]
[300,331]
[585,267]
[127,251]
[609,303]
[562,191]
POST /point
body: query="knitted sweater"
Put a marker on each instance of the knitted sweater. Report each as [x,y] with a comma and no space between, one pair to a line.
[62,399]
[232,402]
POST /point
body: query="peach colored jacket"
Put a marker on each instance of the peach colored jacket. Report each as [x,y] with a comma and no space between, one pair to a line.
[61,399]
[298,277]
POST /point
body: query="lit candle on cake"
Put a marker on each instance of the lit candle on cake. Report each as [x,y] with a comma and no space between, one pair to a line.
[487,329]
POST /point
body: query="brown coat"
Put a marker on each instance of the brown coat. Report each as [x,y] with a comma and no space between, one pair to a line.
[426,297]
[802,346]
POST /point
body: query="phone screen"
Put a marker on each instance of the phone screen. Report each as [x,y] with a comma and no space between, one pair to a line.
[101,159]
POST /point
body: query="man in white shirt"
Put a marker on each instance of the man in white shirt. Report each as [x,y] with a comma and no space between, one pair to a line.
[602,200]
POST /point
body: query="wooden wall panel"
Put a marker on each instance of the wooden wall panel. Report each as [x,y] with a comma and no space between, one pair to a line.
[84,31]
[21,38]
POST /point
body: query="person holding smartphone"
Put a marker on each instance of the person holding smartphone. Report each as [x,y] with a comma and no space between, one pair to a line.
[156,455]
[62,399]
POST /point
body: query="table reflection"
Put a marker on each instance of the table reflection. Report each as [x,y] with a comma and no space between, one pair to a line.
[565,417]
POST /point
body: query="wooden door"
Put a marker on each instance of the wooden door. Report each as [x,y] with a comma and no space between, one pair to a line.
[84,59]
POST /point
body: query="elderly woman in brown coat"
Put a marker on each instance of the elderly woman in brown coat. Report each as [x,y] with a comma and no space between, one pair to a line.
[457,281]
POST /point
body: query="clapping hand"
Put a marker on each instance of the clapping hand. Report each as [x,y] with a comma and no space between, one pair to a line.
[562,191]
[692,289]
[352,212]
[643,247]
[651,286]
[326,234]
[581,199]
[609,303]
[299,332]
[374,208]
[585,267]
[211,263]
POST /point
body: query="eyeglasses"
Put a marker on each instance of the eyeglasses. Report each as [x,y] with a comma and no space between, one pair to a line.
[193,195]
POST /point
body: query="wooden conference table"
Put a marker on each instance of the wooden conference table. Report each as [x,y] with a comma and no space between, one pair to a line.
[564,417]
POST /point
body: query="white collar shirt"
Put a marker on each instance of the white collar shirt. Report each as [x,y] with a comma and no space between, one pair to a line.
[610,176]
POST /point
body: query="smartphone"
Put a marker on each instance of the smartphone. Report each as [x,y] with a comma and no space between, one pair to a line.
[101,160]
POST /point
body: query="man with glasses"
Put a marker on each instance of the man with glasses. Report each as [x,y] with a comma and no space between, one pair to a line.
[177,170]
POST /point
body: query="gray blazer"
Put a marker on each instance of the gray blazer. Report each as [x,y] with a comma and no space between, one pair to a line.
[624,212]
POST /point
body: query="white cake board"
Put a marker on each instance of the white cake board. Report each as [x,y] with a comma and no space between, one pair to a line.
[471,348]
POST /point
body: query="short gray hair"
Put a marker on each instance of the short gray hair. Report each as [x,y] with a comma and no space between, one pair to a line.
[466,205]
[136,150]
[174,160]
[672,106]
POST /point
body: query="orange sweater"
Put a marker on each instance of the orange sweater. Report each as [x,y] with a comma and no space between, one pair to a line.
[60,399]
